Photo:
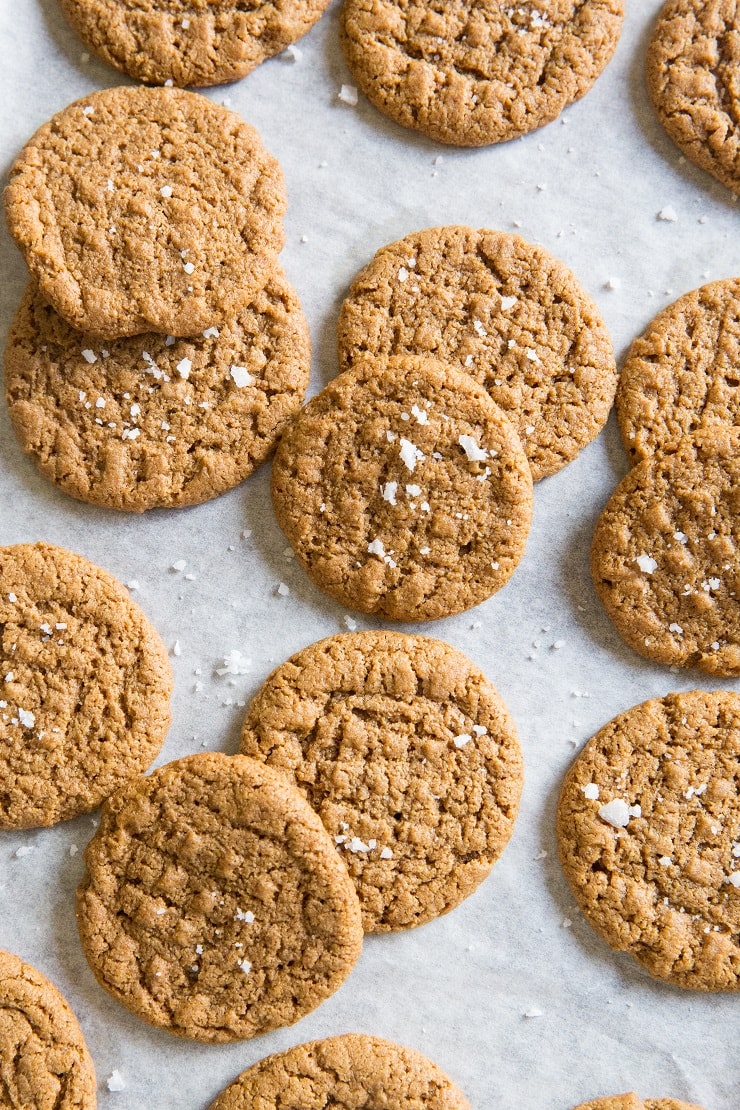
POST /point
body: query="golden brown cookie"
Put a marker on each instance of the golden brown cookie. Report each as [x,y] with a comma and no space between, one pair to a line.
[683,372]
[84,686]
[215,905]
[409,757]
[190,42]
[649,836]
[693,73]
[352,1072]
[504,311]
[144,210]
[151,421]
[404,490]
[664,556]
[477,73]
[44,1062]
[632,1102]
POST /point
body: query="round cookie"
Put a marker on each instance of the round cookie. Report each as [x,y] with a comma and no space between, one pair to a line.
[504,311]
[351,1072]
[409,757]
[664,554]
[472,74]
[404,490]
[682,373]
[84,686]
[150,421]
[632,1102]
[186,42]
[144,210]
[214,904]
[693,62]
[44,1061]
[648,830]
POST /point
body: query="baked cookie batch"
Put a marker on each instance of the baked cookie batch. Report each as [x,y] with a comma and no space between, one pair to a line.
[159,356]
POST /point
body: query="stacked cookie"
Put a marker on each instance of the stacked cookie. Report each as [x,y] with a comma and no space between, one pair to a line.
[473,364]
[665,550]
[159,349]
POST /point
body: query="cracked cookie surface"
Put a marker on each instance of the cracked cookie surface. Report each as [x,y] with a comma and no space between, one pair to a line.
[214,904]
[633,1102]
[44,1062]
[142,209]
[693,73]
[190,42]
[664,556]
[404,490]
[408,755]
[504,311]
[683,372]
[472,72]
[150,421]
[85,685]
[351,1072]
[648,831]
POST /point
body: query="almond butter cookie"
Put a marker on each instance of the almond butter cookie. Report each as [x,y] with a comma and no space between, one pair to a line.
[693,73]
[214,904]
[476,73]
[351,1072]
[664,556]
[504,311]
[190,42]
[84,686]
[150,421]
[649,836]
[683,372]
[404,490]
[143,210]
[408,755]
[632,1102]
[44,1060]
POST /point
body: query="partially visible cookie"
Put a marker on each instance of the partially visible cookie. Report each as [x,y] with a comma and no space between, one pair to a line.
[632,1102]
[84,686]
[693,62]
[649,836]
[472,74]
[351,1072]
[404,490]
[190,44]
[44,1061]
[408,755]
[151,421]
[214,903]
[504,311]
[683,372]
[664,556]
[143,210]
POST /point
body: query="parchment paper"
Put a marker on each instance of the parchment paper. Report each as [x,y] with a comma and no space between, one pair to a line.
[589,188]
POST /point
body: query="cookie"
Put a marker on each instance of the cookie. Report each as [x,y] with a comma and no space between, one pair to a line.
[682,373]
[352,1072]
[149,421]
[649,835]
[664,556]
[214,904]
[409,757]
[632,1102]
[472,74]
[84,686]
[504,311]
[190,44]
[693,61]
[404,490]
[144,210]
[44,1062]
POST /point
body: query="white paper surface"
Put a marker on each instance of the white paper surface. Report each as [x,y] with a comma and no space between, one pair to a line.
[588,187]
